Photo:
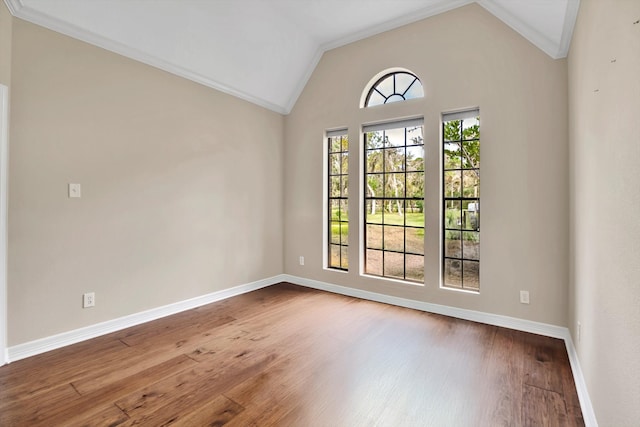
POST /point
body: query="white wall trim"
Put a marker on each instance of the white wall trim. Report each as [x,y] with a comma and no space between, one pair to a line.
[4,175]
[459,313]
[476,316]
[53,342]
[588,414]
[42,345]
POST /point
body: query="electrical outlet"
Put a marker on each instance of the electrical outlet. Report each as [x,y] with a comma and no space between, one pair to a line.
[301,260]
[88,300]
[75,191]
[524,297]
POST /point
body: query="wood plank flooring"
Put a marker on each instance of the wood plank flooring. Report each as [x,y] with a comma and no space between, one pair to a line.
[291,356]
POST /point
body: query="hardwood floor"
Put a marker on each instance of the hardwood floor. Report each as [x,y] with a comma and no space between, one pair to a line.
[291,356]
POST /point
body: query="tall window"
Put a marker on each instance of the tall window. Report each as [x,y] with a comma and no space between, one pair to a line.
[461,200]
[394,87]
[394,200]
[338,203]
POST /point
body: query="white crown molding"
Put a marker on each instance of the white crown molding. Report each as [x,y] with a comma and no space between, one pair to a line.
[54,24]
[570,17]
[13,6]
[53,342]
[552,49]
[535,37]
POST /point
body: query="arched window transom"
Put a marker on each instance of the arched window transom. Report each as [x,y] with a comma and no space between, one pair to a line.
[394,87]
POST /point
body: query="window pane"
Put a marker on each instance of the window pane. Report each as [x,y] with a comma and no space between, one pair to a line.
[452,130]
[374,237]
[394,160]
[344,184]
[453,273]
[334,188]
[403,81]
[471,183]
[452,183]
[345,257]
[344,142]
[452,155]
[470,154]
[393,212]
[415,158]
[374,262]
[471,275]
[374,213]
[453,215]
[374,161]
[344,210]
[471,242]
[394,137]
[344,230]
[334,256]
[345,163]
[414,136]
[394,185]
[385,87]
[334,144]
[452,244]
[415,185]
[394,238]
[471,128]
[334,164]
[415,240]
[470,215]
[393,265]
[335,232]
[374,186]
[415,91]
[415,267]
[375,99]
[374,139]
[395,98]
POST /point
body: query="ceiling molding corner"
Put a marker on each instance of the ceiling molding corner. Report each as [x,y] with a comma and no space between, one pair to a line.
[570,19]
[302,83]
[14,6]
[533,36]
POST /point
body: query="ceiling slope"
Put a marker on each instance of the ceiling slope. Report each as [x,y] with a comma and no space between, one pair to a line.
[265,51]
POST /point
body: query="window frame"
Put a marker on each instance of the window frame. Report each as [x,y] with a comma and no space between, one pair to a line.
[373,88]
[364,173]
[463,220]
[342,199]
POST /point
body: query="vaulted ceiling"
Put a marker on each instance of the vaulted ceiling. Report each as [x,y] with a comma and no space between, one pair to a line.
[264,51]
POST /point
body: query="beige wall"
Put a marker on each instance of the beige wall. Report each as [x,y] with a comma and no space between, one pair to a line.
[6,21]
[604,100]
[181,187]
[465,58]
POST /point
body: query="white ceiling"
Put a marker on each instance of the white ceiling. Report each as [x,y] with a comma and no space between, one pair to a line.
[264,51]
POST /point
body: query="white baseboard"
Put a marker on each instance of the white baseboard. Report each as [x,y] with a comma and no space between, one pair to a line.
[39,346]
[53,342]
[476,316]
[588,414]
[460,313]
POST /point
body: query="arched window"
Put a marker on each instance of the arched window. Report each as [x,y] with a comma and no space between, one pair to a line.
[394,87]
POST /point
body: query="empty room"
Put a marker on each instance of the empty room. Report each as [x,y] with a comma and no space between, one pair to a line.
[319,213]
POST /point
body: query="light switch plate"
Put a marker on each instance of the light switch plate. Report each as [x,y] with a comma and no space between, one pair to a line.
[75,191]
